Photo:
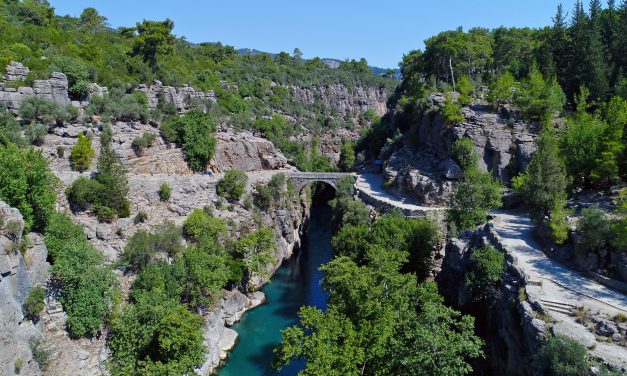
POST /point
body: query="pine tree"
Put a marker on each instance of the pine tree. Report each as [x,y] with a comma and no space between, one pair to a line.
[597,69]
[559,44]
[82,154]
[112,174]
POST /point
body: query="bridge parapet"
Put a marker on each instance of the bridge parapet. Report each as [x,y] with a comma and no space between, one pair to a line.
[302,179]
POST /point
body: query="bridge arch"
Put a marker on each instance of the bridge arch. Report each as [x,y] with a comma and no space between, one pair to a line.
[302,179]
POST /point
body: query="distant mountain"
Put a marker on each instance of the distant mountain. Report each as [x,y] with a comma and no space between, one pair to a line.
[330,62]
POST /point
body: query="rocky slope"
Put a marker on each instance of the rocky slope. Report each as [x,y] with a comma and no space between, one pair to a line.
[421,165]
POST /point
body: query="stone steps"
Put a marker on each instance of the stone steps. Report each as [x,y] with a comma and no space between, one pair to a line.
[560,307]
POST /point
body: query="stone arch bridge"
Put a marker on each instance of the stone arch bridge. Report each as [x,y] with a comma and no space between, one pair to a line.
[302,179]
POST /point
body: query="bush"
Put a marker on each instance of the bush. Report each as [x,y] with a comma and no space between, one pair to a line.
[143,142]
[76,72]
[60,151]
[487,266]
[200,226]
[104,213]
[41,352]
[563,356]
[83,193]
[464,154]
[165,191]
[233,185]
[451,111]
[194,132]
[36,109]
[88,287]
[139,251]
[35,133]
[82,154]
[594,227]
[27,184]
[140,217]
[34,302]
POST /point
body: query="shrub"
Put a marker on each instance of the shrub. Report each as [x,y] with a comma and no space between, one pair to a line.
[82,154]
[88,287]
[34,109]
[451,111]
[27,184]
[35,133]
[76,72]
[41,352]
[139,251]
[104,213]
[83,193]
[34,302]
[19,363]
[200,226]
[563,356]
[140,217]
[594,228]
[487,266]
[194,132]
[233,185]
[165,191]
[464,154]
[143,142]
[60,151]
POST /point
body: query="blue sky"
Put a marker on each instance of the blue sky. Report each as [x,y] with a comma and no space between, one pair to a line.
[380,31]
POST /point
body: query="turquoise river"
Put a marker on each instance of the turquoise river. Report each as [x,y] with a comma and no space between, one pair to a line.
[296,283]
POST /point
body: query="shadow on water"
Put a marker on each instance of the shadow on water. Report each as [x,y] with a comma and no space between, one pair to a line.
[296,283]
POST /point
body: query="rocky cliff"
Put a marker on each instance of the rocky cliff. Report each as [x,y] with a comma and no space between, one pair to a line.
[19,272]
[517,316]
[420,164]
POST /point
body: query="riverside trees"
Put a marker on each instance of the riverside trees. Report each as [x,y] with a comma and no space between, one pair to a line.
[380,320]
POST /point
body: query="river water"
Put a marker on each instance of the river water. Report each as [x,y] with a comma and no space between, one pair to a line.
[296,283]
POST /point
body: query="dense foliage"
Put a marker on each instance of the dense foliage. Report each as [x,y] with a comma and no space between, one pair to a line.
[89,288]
[27,184]
[380,320]
[233,185]
[476,193]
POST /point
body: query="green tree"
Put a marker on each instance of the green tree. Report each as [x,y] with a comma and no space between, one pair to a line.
[112,175]
[502,90]
[139,251]
[563,356]
[82,153]
[347,156]
[594,228]
[153,38]
[27,184]
[91,21]
[201,227]
[76,72]
[201,275]
[257,250]
[543,184]
[194,132]
[233,185]
[486,268]
[476,193]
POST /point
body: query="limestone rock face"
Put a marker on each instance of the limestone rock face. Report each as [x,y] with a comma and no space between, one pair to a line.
[181,97]
[16,71]
[424,168]
[351,102]
[246,152]
[54,89]
[16,280]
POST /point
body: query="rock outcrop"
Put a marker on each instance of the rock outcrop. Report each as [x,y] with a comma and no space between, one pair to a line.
[348,101]
[54,89]
[421,165]
[17,276]
[182,97]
